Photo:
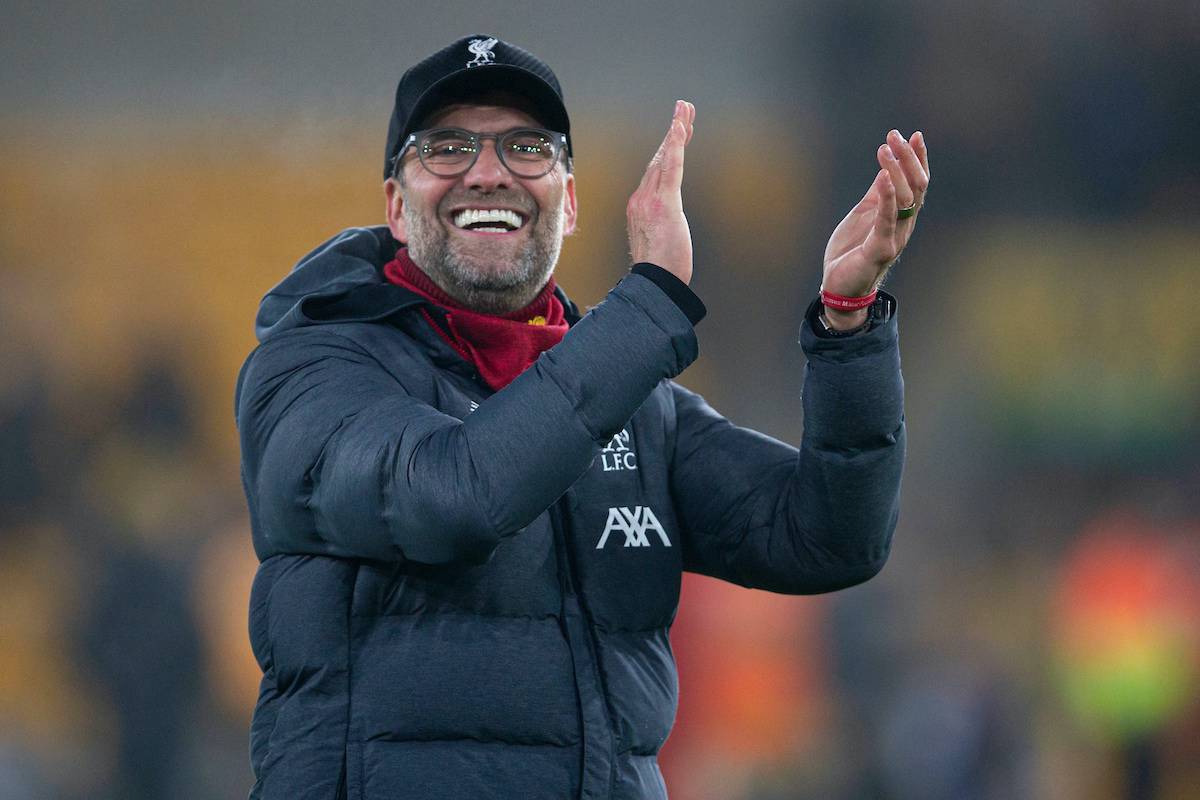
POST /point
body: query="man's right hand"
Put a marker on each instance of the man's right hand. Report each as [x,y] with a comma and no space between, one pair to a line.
[658,229]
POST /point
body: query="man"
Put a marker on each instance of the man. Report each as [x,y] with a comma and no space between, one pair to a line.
[473,506]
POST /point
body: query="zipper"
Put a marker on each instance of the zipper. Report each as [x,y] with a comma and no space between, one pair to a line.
[599,743]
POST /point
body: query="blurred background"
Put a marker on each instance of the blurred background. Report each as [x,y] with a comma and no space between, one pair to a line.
[1036,633]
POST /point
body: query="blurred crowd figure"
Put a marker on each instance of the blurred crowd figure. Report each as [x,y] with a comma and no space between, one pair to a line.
[104,539]
[1005,652]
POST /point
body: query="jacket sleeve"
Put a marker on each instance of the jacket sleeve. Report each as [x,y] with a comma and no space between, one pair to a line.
[759,513]
[337,459]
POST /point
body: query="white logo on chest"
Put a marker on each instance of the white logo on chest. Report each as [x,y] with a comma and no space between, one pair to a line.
[617,455]
[634,523]
[482,50]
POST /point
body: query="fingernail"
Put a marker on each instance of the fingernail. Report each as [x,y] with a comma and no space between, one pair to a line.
[888,154]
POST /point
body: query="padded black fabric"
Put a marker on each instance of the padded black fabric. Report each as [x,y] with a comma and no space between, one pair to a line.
[467,594]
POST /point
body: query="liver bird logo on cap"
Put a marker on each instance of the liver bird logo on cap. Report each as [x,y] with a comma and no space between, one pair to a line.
[482,50]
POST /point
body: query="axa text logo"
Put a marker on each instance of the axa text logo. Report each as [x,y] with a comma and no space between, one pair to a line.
[617,455]
[634,523]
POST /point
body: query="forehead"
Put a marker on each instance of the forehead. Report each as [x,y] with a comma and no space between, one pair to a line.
[482,118]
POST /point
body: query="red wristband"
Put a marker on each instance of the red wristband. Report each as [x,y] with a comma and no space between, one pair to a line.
[837,301]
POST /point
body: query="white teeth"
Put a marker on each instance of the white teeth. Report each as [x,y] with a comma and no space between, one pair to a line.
[473,216]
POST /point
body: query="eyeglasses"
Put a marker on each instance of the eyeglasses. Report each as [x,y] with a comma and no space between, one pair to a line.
[450,152]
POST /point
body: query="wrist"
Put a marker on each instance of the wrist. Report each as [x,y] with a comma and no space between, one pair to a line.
[845,313]
[844,320]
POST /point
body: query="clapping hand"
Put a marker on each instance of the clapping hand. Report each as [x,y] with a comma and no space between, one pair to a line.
[658,229]
[871,237]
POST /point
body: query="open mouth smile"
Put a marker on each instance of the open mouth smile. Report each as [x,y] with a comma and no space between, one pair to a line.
[488,220]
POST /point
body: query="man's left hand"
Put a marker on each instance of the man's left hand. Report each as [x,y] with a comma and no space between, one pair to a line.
[870,238]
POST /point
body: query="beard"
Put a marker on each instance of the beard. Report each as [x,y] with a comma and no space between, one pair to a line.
[492,280]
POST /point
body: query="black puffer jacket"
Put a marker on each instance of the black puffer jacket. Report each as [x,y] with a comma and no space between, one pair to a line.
[467,594]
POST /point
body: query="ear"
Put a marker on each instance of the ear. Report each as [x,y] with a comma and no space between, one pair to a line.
[395,209]
[570,207]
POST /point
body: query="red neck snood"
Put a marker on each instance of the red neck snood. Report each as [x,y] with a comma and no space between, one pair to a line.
[500,347]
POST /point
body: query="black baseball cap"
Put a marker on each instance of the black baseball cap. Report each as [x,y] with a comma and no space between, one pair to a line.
[467,68]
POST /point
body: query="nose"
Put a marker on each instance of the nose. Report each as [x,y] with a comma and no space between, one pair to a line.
[487,174]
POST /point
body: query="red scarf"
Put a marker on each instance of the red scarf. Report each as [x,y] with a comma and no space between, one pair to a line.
[500,347]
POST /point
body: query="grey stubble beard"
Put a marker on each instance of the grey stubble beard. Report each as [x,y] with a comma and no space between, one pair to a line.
[479,287]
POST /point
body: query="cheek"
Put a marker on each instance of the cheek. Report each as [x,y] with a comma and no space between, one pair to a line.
[422,217]
[423,199]
[550,198]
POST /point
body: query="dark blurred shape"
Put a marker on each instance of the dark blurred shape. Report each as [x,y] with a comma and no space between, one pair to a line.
[158,408]
[1126,89]
[24,417]
[1031,110]
[954,732]
[140,645]
[139,639]
[1143,769]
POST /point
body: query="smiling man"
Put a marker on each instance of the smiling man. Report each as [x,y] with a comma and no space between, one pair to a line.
[490,238]
[473,505]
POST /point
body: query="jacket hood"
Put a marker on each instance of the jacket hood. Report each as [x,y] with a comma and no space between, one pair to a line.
[342,281]
[339,281]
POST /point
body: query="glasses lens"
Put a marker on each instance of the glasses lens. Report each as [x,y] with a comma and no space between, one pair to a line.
[447,151]
[529,153]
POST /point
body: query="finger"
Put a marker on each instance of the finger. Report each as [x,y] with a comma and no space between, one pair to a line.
[676,133]
[653,173]
[918,143]
[887,159]
[685,113]
[879,244]
[914,172]
[672,164]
